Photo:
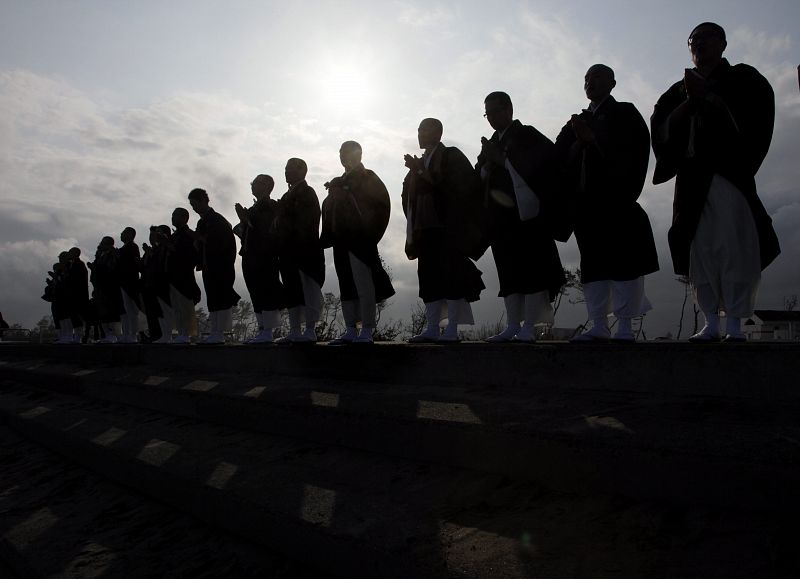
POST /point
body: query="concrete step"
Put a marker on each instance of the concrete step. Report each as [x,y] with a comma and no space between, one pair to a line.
[363,515]
[665,446]
[60,520]
[359,514]
[748,370]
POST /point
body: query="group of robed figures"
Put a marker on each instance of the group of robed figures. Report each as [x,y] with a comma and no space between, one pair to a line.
[710,130]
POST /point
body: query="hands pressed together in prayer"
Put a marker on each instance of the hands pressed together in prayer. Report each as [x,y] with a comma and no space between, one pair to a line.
[414,163]
[242,213]
[584,134]
[492,152]
[696,86]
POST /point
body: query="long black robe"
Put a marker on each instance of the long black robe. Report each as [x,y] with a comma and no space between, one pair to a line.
[524,252]
[443,206]
[731,139]
[355,215]
[218,257]
[78,292]
[297,232]
[155,285]
[106,286]
[128,267]
[605,180]
[182,259]
[259,253]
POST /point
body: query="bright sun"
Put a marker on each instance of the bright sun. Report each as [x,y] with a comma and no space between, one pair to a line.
[344,87]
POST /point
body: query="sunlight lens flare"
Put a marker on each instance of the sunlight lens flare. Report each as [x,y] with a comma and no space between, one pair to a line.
[344,88]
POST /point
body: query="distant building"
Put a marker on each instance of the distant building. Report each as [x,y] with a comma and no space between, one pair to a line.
[773,325]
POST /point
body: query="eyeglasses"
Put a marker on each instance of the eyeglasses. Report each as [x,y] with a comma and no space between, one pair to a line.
[702,37]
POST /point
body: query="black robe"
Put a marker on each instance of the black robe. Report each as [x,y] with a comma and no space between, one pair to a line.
[155,285]
[218,257]
[182,259]
[731,139]
[296,229]
[605,179]
[107,295]
[128,267]
[259,253]
[524,252]
[443,206]
[78,291]
[355,215]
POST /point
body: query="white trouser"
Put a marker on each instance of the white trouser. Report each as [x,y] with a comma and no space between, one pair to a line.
[167,319]
[312,296]
[183,308]
[724,258]
[130,319]
[533,308]
[270,319]
[363,309]
[221,321]
[625,299]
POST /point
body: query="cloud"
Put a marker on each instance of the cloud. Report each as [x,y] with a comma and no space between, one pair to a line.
[77,165]
[428,16]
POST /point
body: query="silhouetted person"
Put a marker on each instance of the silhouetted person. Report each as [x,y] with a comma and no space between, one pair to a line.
[3,326]
[516,166]
[50,295]
[79,291]
[354,218]
[712,130]
[92,330]
[301,259]
[107,294]
[155,285]
[65,314]
[128,268]
[184,293]
[604,152]
[217,247]
[259,251]
[441,200]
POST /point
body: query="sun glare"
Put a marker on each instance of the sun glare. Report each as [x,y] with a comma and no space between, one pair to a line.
[343,88]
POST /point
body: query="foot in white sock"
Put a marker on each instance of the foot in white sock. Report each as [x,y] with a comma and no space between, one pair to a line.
[598,333]
[364,336]
[506,335]
[349,335]
[526,334]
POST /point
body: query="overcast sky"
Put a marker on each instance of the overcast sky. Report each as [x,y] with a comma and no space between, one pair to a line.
[112,111]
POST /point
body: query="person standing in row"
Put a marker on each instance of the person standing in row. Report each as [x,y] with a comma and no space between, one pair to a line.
[184,293]
[127,267]
[604,152]
[217,247]
[712,131]
[441,201]
[517,168]
[260,257]
[300,258]
[355,215]
[155,285]
[107,292]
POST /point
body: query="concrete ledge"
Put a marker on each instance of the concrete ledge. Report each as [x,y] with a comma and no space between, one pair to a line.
[673,453]
[226,508]
[766,370]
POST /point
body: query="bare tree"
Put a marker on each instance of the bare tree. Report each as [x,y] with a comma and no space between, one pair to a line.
[329,326]
[245,323]
[573,282]
[417,323]
[790,302]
